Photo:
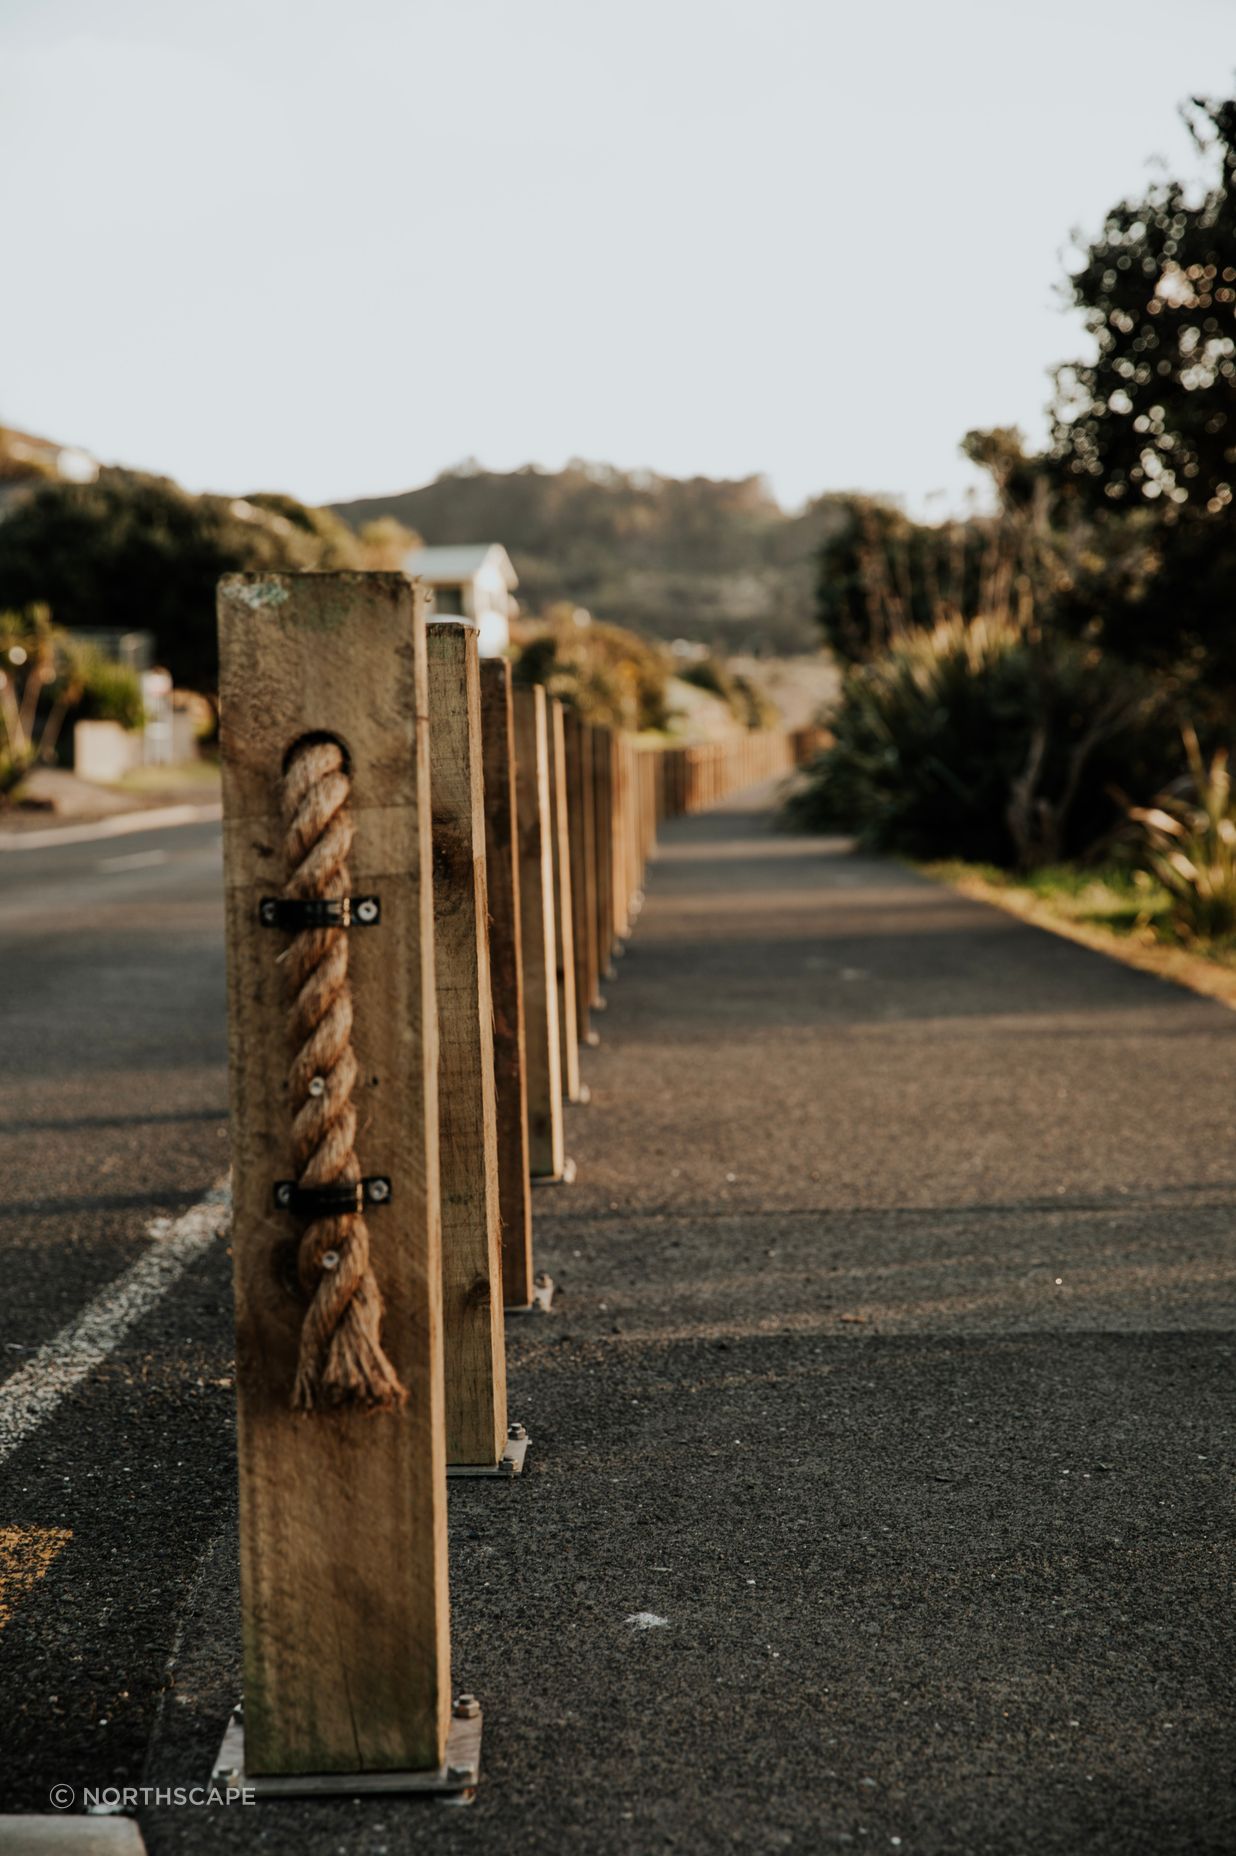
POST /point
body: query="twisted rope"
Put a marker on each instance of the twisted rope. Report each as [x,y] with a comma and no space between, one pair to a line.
[341,1357]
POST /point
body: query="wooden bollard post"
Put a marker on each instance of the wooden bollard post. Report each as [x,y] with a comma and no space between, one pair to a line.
[583,870]
[564,931]
[507,981]
[603,817]
[618,790]
[542,1046]
[342,1509]
[475,1361]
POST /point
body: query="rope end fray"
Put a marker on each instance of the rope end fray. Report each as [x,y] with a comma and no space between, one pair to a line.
[342,1363]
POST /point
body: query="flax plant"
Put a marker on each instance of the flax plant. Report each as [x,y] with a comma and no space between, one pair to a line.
[1189,846]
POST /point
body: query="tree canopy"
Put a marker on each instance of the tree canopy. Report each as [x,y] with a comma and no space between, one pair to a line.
[138,553]
[1151,418]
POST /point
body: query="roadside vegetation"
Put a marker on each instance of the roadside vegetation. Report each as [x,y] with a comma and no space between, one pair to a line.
[618,679]
[46,678]
[1043,698]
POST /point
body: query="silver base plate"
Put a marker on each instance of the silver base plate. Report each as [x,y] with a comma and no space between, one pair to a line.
[542,1298]
[510,1463]
[454,1781]
[567,1176]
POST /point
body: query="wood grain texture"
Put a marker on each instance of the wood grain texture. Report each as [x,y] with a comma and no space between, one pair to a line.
[603,817]
[583,874]
[536,901]
[342,1516]
[507,980]
[564,934]
[475,1360]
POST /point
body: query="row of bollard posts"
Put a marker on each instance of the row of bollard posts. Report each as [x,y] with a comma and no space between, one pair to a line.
[428,874]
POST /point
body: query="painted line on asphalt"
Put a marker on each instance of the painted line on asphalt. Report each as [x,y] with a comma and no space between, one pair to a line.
[136,860]
[159,818]
[33,1392]
[26,1554]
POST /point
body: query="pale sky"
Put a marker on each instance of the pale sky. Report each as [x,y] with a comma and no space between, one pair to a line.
[334,247]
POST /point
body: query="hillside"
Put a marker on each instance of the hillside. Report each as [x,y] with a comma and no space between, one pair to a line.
[715,561]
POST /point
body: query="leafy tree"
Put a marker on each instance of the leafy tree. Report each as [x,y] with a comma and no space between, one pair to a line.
[610,675]
[1145,430]
[44,677]
[136,552]
[749,705]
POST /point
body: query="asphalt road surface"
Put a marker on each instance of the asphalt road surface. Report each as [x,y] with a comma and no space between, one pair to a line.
[880,1494]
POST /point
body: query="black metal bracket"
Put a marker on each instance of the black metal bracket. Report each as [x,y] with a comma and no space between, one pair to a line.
[333,1201]
[295,914]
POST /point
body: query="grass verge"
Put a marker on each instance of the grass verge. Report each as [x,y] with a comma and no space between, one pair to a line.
[1110,908]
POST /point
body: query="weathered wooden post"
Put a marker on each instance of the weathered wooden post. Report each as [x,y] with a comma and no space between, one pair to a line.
[564,931]
[603,816]
[507,981]
[583,871]
[475,1360]
[546,1157]
[621,876]
[336,1235]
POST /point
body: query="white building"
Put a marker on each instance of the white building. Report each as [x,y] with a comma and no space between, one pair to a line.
[474,581]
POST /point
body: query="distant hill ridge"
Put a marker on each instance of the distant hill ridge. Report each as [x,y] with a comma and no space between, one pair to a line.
[713,560]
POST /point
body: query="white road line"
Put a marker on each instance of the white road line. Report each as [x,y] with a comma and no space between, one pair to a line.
[159,818]
[136,860]
[33,1392]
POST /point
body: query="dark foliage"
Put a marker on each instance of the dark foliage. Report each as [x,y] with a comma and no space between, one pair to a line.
[1149,425]
[975,740]
[138,553]
[714,561]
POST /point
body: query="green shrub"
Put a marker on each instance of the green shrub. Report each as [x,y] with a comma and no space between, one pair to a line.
[748,704]
[110,692]
[610,675]
[1189,846]
[983,740]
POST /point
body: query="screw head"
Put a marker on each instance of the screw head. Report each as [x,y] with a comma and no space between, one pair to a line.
[379,1190]
[330,1259]
[317,1086]
[268,911]
[467,1707]
[367,911]
[283,1194]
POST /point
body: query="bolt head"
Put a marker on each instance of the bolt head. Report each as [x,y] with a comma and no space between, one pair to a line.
[330,1259]
[367,911]
[460,1775]
[516,1433]
[467,1707]
[379,1190]
[284,1195]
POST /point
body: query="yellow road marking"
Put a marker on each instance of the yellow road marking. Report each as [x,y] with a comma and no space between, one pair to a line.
[25,1555]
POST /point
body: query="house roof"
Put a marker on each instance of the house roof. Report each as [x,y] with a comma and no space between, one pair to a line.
[452,566]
